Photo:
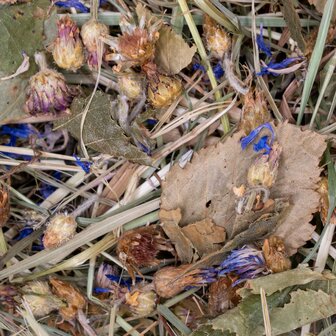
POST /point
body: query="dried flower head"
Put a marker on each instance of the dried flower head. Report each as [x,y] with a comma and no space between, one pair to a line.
[7,298]
[102,280]
[275,254]
[47,91]
[141,302]
[254,112]
[91,33]
[60,229]
[131,85]
[71,296]
[163,90]
[264,169]
[324,201]
[218,42]
[169,281]
[140,247]
[246,263]
[67,48]
[40,298]
[4,205]
[222,295]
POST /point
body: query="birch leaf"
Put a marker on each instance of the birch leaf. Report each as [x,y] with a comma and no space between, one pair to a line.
[172,52]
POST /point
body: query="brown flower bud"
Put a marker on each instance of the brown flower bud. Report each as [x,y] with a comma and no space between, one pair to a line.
[47,91]
[60,229]
[218,42]
[264,169]
[163,90]
[70,295]
[141,302]
[40,298]
[275,255]
[140,247]
[169,282]
[4,205]
[67,48]
[91,32]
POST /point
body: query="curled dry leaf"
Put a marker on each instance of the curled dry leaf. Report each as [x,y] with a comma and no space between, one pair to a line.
[205,187]
[172,53]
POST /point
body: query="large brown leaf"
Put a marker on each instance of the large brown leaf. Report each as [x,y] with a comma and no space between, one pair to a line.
[204,188]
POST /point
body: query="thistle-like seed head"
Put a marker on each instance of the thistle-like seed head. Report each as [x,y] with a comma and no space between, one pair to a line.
[47,91]
[264,169]
[91,32]
[67,48]
[60,229]
[275,254]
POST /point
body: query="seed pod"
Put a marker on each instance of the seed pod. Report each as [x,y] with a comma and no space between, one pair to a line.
[67,48]
[60,229]
[163,90]
[275,255]
[40,298]
[141,303]
[4,205]
[70,295]
[218,42]
[222,295]
[254,111]
[169,282]
[140,247]
[91,32]
[47,91]
[264,169]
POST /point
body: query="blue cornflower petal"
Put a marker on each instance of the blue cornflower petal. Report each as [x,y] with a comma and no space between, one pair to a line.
[101,290]
[21,131]
[218,71]
[262,143]
[25,232]
[117,279]
[73,4]
[197,66]
[263,47]
[84,165]
[277,66]
[143,148]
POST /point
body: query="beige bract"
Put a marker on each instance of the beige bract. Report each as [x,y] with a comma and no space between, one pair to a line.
[205,187]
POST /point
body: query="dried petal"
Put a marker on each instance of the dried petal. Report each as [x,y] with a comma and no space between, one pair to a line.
[60,229]
[67,48]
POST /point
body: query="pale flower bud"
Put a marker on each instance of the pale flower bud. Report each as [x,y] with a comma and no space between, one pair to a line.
[141,303]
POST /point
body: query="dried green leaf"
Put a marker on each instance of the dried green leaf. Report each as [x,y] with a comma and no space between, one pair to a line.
[172,52]
[218,169]
[279,281]
[101,132]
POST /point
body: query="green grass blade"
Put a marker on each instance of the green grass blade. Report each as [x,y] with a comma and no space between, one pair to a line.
[316,57]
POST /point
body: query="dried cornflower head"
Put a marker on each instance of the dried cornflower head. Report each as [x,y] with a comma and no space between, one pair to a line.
[275,255]
[60,229]
[324,201]
[47,91]
[136,44]
[140,247]
[245,263]
[4,205]
[40,298]
[67,48]
[91,33]
[190,311]
[254,111]
[71,296]
[222,295]
[8,293]
[141,302]
[131,85]
[105,269]
[264,170]
[163,90]
[217,40]
[170,281]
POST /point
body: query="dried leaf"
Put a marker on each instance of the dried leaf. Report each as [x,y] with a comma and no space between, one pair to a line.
[183,246]
[172,52]
[101,132]
[279,281]
[319,5]
[205,236]
[215,171]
